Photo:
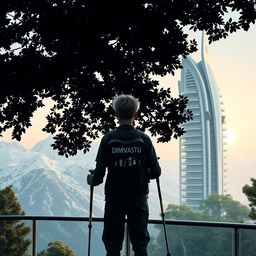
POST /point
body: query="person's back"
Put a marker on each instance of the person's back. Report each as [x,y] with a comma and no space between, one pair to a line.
[130,158]
[127,164]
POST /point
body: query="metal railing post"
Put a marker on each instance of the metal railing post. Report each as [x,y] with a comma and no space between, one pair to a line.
[34,238]
[236,242]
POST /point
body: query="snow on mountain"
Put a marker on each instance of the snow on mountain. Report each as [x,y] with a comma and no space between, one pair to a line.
[48,184]
[45,148]
[56,187]
[38,176]
[41,170]
[11,153]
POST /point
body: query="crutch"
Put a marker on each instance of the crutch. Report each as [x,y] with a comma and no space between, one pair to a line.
[90,217]
[163,215]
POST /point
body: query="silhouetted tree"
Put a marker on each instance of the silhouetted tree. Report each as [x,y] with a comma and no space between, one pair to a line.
[250,192]
[81,53]
[13,233]
[57,248]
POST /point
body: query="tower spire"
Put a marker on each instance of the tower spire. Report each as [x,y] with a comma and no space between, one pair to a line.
[204,46]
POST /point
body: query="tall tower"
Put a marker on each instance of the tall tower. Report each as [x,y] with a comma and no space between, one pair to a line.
[201,147]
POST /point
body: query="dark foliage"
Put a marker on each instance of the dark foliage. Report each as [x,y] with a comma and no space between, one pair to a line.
[207,241]
[57,248]
[13,233]
[81,53]
[250,192]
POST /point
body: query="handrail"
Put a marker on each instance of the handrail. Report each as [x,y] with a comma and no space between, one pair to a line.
[34,219]
[151,221]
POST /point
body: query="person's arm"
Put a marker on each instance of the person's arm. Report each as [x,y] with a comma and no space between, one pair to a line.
[98,174]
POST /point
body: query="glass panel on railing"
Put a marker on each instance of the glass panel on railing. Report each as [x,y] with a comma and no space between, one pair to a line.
[191,241]
[247,242]
[21,228]
[73,234]
[15,237]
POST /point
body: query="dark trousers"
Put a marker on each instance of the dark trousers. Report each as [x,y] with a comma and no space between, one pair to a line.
[136,210]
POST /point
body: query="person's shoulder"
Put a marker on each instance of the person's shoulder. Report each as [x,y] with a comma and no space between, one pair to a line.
[106,137]
[110,135]
[143,135]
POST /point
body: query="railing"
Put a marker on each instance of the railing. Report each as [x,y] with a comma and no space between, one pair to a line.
[235,226]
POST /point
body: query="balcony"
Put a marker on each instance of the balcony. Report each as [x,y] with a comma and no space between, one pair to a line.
[195,164]
[235,243]
[191,150]
[191,135]
[193,99]
[191,143]
[192,157]
[189,93]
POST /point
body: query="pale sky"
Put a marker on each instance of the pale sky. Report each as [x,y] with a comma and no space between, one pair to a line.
[232,61]
[234,68]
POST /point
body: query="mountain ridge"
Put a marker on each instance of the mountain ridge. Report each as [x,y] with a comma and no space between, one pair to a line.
[48,184]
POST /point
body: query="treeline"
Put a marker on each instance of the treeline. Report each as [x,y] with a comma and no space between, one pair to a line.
[14,239]
[207,241]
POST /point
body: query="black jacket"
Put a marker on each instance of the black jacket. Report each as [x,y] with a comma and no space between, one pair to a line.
[124,132]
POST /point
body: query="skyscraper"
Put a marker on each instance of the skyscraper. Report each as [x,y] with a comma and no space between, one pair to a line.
[201,147]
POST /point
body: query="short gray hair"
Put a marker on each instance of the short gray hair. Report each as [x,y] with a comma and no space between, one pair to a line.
[125,105]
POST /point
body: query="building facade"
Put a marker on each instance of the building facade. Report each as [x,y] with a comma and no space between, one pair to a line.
[201,147]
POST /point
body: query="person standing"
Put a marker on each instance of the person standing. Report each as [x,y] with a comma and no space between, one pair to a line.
[131,161]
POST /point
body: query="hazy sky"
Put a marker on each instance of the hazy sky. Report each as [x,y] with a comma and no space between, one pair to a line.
[232,61]
[233,64]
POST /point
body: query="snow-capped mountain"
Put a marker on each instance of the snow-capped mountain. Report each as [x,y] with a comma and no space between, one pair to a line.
[44,147]
[48,184]
[11,153]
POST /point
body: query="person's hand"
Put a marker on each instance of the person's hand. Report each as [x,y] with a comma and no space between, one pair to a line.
[90,179]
